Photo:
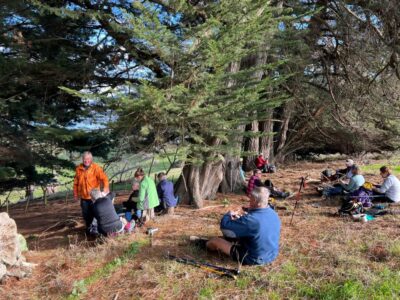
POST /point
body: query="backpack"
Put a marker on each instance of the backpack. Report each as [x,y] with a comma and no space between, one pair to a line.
[271,169]
[351,208]
[363,196]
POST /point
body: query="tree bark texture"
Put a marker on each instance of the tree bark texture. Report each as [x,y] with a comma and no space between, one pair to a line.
[198,183]
[232,181]
[266,142]
[252,144]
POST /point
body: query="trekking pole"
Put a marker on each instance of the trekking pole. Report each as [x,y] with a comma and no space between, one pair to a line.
[302,184]
[221,271]
[373,196]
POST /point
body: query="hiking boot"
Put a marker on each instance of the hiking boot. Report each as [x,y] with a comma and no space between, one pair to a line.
[198,242]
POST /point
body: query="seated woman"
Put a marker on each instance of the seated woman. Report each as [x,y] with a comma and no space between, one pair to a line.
[165,191]
[254,181]
[389,191]
[356,181]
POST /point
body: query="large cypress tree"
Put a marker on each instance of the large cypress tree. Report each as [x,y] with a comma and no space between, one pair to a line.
[202,100]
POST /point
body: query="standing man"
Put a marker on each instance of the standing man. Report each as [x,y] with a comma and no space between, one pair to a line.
[88,176]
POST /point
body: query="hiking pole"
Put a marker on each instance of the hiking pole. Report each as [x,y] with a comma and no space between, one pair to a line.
[221,271]
[373,196]
[191,261]
[302,185]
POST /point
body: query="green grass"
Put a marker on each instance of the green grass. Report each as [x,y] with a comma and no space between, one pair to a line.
[385,285]
[374,168]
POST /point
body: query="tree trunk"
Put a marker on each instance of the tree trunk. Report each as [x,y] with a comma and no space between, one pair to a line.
[252,144]
[266,142]
[232,181]
[44,189]
[280,151]
[198,183]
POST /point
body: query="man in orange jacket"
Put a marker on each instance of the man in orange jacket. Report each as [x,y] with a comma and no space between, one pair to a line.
[88,176]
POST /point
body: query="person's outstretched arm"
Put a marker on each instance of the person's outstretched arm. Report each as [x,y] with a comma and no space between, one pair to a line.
[385,186]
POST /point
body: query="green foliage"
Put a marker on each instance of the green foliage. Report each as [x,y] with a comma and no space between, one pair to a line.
[203,97]
[33,111]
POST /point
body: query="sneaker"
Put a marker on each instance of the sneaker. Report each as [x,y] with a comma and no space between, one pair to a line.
[198,242]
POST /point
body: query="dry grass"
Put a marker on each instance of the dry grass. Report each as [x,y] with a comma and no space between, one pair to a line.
[322,256]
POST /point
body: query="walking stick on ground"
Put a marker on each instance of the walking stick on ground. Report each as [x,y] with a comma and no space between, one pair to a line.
[298,195]
[221,271]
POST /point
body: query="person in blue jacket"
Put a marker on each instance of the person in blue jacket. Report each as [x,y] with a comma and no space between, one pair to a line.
[257,231]
[165,191]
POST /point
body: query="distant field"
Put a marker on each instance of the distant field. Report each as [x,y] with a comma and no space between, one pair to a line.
[374,168]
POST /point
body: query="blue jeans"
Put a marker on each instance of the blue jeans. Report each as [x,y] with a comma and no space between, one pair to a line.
[333,191]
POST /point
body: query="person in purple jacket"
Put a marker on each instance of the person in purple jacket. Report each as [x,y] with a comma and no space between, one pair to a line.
[165,191]
[257,231]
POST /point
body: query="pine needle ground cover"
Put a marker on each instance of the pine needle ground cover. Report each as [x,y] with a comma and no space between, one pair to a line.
[322,256]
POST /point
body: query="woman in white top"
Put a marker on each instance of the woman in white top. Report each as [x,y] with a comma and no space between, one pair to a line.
[390,189]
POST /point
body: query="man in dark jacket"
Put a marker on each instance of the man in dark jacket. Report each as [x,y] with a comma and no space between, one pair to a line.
[165,191]
[258,232]
[108,221]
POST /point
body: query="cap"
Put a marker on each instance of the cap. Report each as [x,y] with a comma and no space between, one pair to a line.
[349,162]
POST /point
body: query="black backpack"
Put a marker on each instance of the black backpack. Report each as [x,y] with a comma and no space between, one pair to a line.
[351,208]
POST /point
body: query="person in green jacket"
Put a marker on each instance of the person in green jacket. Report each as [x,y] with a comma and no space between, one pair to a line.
[148,197]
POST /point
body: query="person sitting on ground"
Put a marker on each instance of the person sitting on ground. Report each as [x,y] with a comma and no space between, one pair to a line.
[165,191]
[347,172]
[276,192]
[242,174]
[257,231]
[261,163]
[108,221]
[254,181]
[135,190]
[390,189]
[148,197]
[356,181]
[131,204]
